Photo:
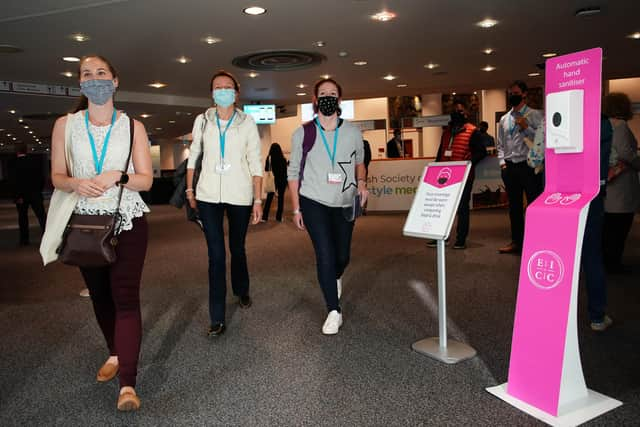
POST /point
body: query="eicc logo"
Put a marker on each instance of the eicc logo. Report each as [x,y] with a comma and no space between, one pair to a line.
[545,270]
[444,175]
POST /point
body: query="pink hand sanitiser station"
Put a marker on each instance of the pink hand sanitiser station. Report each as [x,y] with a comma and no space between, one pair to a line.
[545,373]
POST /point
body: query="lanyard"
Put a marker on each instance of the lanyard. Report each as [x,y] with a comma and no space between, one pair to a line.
[98,163]
[512,124]
[332,156]
[223,135]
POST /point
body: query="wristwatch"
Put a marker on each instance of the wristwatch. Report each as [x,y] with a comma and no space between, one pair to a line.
[124,179]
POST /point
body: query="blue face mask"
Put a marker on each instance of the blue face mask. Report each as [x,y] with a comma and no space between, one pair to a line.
[98,91]
[224,97]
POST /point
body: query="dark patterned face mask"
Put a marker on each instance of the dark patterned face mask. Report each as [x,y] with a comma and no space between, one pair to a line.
[328,105]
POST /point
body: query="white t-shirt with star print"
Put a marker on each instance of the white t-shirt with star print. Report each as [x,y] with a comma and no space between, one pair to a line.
[315,184]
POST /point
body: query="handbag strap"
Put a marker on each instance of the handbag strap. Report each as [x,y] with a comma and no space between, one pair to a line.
[126,168]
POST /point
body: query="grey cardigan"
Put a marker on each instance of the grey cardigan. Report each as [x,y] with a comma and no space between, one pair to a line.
[623,193]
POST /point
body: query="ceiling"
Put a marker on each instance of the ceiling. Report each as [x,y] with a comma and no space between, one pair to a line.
[143,39]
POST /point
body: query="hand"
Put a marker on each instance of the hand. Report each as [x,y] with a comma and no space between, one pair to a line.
[257,213]
[364,193]
[107,179]
[88,188]
[297,220]
[503,166]
[522,122]
[192,202]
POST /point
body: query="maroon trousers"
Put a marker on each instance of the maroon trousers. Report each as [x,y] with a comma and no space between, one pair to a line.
[115,293]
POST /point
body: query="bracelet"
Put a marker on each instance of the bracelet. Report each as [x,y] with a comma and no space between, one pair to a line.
[296,211]
[189,190]
[257,202]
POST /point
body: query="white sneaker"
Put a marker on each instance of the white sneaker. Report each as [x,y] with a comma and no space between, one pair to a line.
[84,293]
[333,323]
[339,285]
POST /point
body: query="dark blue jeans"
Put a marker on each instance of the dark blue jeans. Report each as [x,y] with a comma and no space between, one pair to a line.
[331,236]
[519,178]
[212,215]
[592,263]
[462,228]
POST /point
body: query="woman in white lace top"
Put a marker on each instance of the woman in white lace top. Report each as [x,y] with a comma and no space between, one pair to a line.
[99,147]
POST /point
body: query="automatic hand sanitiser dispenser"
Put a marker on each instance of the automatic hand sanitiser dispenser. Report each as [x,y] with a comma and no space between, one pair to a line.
[564,117]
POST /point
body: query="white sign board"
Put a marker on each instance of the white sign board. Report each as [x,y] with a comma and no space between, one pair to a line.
[436,202]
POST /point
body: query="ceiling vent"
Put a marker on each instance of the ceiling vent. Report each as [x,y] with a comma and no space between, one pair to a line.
[279,60]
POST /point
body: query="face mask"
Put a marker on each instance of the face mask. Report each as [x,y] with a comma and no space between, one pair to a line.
[98,91]
[515,100]
[224,97]
[458,118]
[328,105]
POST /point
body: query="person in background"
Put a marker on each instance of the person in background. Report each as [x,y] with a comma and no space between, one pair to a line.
[323,185]
[592,256]
[487,139]
[97,178]
[231,182]
[623,187]
[460,141]
[277,164]
[518,123]
[367,160]
[27,181]
[395,146]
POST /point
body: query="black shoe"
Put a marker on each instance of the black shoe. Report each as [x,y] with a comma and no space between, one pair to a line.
[460,245]
[245,301]
[216,329]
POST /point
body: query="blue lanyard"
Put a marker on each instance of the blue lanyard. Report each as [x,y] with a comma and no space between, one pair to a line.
[98,163]
[512,124]
[223,135]
[332,156]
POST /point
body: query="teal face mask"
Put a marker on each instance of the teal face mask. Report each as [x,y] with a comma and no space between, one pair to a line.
[224,97]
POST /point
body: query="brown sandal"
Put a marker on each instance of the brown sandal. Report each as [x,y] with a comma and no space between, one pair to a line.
[128,401]
[107,372]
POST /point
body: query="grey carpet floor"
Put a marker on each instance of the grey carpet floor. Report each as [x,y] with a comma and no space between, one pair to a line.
[273,366]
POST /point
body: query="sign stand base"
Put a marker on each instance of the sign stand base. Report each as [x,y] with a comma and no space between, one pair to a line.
[578,412]
[454,352]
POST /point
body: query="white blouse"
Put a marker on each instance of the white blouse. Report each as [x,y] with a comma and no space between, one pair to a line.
[132,205]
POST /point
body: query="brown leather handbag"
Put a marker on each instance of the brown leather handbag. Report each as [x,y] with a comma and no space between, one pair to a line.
[91,240]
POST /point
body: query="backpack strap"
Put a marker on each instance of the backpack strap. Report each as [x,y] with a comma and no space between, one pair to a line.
[307,144]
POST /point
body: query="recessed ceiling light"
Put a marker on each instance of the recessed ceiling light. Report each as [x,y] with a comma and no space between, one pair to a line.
[183,60]
[301,93]
[14,138]
[157,85]
[475,92]
[301,85]
[634,36]
[71,59]
[20,120]
[360,63]
[31,132]
[68,74]
[172,121]
[488,68]
[254,10]
[253,74]
[211,40]
[158,128]
[588,11]
[431,65]
[9,134]
[453,93]
[79,37]
[488,51]
[12,111]
[390,77]
[383,16]
[325,76]
[319,43]
[487,23]
[145,115]
[402,85]
[343,54]
[533,74]
[549,55]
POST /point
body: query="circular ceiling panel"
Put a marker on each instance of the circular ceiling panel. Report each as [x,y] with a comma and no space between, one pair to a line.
[279,60]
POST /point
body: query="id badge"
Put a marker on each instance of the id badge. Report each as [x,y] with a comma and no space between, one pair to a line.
[223,168]
[334,178]
[448,153]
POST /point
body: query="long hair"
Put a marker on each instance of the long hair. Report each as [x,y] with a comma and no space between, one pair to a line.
[83,102]
[275,152]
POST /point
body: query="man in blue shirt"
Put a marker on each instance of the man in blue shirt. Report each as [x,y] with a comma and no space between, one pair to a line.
[519,123]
